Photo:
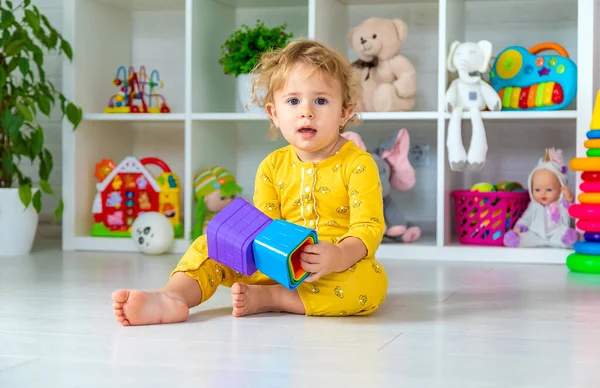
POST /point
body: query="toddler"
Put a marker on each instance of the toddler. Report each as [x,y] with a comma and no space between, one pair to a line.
[320,181]
[546,222]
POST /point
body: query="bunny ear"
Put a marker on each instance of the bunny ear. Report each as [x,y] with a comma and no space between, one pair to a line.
[355,137]
[403,174]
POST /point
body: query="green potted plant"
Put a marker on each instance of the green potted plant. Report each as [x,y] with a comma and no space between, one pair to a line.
[25,94]
[243,48]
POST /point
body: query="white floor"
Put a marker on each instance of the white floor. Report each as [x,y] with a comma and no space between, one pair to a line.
[444,325]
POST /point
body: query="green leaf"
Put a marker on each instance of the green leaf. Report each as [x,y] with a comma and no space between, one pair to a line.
[59,210]
[25,194]
[44,104]
[46,165]
[13,48]
[8,164]
[24,110]
[24,66]
[37,201]
[32,19]
[46,187]
[66,48]
[74,114]
[37,141]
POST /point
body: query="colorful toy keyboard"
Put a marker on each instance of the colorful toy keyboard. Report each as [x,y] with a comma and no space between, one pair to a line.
[245,239]
[526,81]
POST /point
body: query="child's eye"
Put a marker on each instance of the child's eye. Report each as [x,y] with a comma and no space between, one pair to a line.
[321,101]
[293,101]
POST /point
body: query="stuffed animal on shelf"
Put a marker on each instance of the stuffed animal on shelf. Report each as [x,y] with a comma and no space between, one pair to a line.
[214,188]
[395,172]
[546,222]
[471,93]
[389,80]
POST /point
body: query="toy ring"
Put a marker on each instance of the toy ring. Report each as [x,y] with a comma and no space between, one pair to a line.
[591,237]
[593,152]
[593,134]
[589,198]
[591,176]
[590,187]
[592,143]
[586,164]
[578,262]
[588,226]
[587,248]
[585,212]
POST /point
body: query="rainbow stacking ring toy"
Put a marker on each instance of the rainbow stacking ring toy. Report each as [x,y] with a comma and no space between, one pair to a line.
[586,257]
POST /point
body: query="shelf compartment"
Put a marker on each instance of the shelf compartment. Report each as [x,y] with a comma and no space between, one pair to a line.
[96,140]
[111,34]
[524,143]
[515,23]
[334,19]
[522,115]
[212,23]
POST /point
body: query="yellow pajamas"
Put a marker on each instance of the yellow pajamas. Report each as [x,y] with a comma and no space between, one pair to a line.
[339,197]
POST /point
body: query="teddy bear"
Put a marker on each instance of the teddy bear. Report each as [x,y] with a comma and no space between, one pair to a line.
[395,173]
[389,80]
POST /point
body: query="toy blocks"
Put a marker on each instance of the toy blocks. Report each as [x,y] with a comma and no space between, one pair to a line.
[245,239]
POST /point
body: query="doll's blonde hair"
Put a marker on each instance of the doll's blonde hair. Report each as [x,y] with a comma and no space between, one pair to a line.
[274,67]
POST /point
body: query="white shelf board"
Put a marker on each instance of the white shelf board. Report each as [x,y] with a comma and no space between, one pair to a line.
[366,116]
[226,116]
[397,116]
[475,253]
[146,5]
[520,115]
[263,3]
[134,117]
[119,244]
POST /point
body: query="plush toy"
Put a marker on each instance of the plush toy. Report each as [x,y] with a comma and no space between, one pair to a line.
[214,188]
[389,80]
[471,93]
[152,233]
[395,172]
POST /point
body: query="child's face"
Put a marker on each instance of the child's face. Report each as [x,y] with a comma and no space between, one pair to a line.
[308,111]
[545,187]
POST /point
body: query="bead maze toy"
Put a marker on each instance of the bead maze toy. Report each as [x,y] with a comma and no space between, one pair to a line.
[586,257]
[245,239]
[137,92]
[129,189]
[526,81]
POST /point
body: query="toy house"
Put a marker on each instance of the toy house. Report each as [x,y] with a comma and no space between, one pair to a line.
[129,189]
[245,239]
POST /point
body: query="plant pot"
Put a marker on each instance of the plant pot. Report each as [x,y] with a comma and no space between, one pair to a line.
[18,224]
[244,92]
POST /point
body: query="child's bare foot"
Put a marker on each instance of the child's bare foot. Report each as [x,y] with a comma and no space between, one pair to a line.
[134,307]
[251,299]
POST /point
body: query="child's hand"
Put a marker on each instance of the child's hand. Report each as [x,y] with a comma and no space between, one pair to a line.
[320,259]
[567,193]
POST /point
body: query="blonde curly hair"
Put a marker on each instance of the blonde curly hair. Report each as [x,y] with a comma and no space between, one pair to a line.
[274,67]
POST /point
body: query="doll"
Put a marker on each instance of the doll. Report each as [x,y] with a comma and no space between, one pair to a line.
[214,188]
[546,222]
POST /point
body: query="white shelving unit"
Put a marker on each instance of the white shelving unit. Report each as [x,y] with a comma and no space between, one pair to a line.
[182,39]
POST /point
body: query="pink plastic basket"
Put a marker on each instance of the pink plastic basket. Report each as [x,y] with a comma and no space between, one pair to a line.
[483,218]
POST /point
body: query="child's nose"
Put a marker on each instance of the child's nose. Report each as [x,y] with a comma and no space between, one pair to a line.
[307,111]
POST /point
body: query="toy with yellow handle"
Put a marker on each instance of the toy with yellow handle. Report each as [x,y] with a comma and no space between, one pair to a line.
[527,81]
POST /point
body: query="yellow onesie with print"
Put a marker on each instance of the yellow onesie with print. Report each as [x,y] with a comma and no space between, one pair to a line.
[338,197]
